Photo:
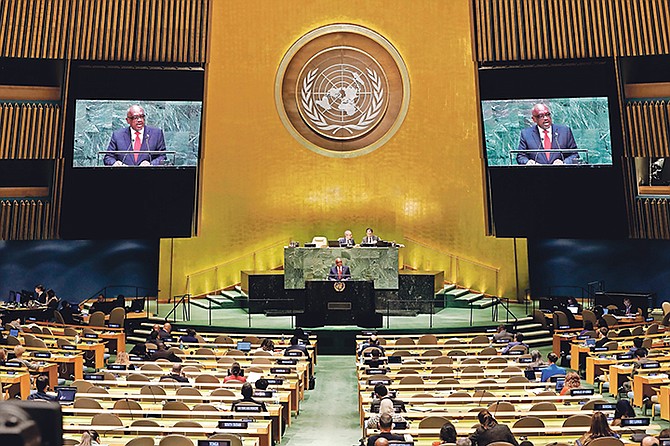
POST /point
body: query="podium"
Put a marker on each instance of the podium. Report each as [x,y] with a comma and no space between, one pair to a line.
[349,302]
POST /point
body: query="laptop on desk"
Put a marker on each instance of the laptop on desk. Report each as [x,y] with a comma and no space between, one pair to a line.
[65,394]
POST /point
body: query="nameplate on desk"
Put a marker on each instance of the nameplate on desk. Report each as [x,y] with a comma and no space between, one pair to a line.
[214,442]
[32,319]
[395,359]
[582,337]
[369,333]
[628,422]
[91,335]
[169,339]
[151,351]
[650,365]
[604,406]
[502,341]
[117,367]
[491,330]
[11,372]
[250,408]
[93,377]
[581,392]
[232,424]
[275,381]
[525,360]
[114,325]
[136,358]
[287,361]
[624,356]
[649,319]
[293,353]
[42,355]
[69,347]
[515,353]
[12,364]
[375,381]
[599,349]
[263,393]
[280,370]
[563,327]
[375,371]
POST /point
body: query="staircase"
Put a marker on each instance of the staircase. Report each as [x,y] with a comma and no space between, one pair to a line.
[226,299]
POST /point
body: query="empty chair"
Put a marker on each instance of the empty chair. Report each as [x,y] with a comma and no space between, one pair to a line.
[190,369]
[500,443]
[408,372]
[70,442]
[60,342]
[511,369]
[206,378]
[427,339]
[591,404]
[404,341]
[545,406]
[449,381]
[588,315]
[460,394]
[480,339]
[141,441]
[178,406]
[443,360]
[456,353]
[81,385]
[646,343]
[204,408]
[222,392]
[638,331]
[187,424]
[251,338]
[611,345]
[489,351]
[547,393]
[151,368]
[106,419]
[225,360]
[577,421]
[473,369]
[175,440]
[152,390]
[87,403]
[137,377]
[502,406]
[261,360]
[560,320]
[422,395]
[518,379]
[13,340]
[261,353]
[411,379]
[127,404]
[145,422]
[540,318]
[652,329]
[432,352]
[223,339]
[118,316]
[442,370]
[97,389]
[625,332]
[97,319]
[519,348]
[611,320]
[483,394]
[188,391]
[203,351]
[498,360]
[470,361]
[529,422]
[432,422]
[235,352]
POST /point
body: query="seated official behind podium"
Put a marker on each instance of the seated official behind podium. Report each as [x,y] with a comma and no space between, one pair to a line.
[370,237]
[347,241]
[339,271]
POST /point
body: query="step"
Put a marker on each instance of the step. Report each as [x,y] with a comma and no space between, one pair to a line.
[524,327]
[484,303]
[232,294]
[534,334]
[539,342]
[457,292]
[466,300]
[449,287]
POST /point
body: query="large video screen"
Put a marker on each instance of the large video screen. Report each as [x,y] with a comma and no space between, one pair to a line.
[105,133]
[547,132]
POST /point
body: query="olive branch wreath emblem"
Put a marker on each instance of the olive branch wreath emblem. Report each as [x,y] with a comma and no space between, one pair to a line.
[317,118]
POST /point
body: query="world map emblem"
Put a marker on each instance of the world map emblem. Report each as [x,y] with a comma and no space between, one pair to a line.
[343,93]
[342,90]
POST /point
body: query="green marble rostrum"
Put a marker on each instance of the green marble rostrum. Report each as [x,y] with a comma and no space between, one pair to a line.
[587,117]
[377,264]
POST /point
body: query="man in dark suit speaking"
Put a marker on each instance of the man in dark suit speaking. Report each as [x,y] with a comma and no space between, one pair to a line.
[129,145]
[547,137]
[339,271]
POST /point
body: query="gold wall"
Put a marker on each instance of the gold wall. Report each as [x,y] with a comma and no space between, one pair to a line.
[260,187]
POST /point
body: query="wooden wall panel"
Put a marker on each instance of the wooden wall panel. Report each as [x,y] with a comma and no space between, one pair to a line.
[514,30]
[120,30]
[648,128]
[29,130]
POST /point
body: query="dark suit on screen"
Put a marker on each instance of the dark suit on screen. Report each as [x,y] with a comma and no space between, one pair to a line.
[561,139]
[344,242]
[333,275]
[153,140]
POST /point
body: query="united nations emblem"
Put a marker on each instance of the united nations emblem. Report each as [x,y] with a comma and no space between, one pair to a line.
[342,90]
[339,286]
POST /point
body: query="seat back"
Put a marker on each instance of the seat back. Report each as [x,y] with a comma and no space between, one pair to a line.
[118,316]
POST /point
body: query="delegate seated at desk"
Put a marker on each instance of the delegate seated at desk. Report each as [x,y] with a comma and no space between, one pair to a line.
[339,271]
[347,241]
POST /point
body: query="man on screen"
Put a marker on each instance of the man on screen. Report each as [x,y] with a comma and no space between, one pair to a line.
[339,271]
[129,145]
[347,240]
[547,138]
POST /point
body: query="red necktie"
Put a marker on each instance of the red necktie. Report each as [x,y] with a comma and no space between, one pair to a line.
[137,146]
[339,272]
[547,144]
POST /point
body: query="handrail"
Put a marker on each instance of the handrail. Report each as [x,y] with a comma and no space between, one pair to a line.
[455,260]
[145,291]
[193,277]
[185,302]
